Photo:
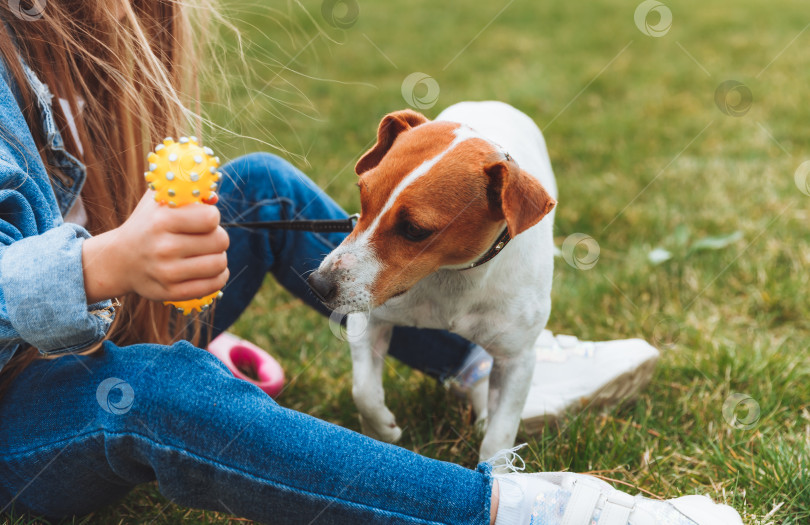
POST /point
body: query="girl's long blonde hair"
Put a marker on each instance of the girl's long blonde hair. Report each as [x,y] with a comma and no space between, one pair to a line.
[129,61]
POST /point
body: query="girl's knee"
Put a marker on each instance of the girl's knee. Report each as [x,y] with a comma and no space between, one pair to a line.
[159,361]
[260,162]
[184,398]
[251,174]
[153,380]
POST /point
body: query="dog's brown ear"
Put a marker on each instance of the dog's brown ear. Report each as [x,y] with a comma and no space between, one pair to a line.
[390,127]
[517,196]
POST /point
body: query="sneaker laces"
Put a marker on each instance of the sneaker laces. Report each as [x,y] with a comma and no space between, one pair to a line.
[508,457]
[558,348]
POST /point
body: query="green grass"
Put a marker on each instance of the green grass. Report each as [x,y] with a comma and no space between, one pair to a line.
[644,159]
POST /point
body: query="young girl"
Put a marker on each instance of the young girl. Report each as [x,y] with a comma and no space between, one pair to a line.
[125,396]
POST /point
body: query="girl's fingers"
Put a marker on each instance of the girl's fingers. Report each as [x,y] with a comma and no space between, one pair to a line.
[197,288]
[193,218]
[178,246]
[195,268]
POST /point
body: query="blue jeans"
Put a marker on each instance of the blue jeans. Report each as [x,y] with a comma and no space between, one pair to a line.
[78,432]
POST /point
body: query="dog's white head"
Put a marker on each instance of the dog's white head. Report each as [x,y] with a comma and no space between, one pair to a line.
[433,195]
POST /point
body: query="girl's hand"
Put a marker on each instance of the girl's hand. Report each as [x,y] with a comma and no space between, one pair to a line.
[160,253]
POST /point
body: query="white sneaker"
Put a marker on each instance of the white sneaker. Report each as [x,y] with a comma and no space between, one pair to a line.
[564,498]
[569,374]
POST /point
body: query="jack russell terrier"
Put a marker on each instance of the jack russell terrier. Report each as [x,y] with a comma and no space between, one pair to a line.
[455,233]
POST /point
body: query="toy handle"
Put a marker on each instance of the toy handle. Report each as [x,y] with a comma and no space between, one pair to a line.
[181,173]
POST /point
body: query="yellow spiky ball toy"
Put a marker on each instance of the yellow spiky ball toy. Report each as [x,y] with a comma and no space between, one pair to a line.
[181,173]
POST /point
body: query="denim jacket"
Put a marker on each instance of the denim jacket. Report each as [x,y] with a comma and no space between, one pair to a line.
[42,297]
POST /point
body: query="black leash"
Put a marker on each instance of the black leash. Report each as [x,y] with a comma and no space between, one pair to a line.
[347,225]
[337,225]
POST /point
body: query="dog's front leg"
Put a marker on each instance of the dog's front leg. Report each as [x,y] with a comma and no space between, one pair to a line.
[369,339]
[509,384]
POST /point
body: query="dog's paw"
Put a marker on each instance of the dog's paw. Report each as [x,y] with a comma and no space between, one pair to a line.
[388,432]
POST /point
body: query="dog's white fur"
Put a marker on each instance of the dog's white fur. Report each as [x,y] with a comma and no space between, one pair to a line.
[502,305]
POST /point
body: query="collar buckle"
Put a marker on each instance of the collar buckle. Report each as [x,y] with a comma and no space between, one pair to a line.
[502,240]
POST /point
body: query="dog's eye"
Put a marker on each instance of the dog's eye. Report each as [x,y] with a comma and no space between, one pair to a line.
[412,232]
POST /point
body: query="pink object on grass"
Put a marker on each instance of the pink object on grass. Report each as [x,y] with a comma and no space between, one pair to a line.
[240,355]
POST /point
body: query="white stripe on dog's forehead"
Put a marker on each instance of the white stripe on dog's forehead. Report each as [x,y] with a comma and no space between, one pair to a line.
[462,133]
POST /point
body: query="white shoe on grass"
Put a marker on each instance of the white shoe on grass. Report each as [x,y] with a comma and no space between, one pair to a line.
[564,498]
[569,374]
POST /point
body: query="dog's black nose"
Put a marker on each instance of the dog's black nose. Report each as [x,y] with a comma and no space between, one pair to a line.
[324,289]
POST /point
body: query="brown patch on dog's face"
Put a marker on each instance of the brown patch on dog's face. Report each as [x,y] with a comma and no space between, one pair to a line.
[405,154]
[443,219]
